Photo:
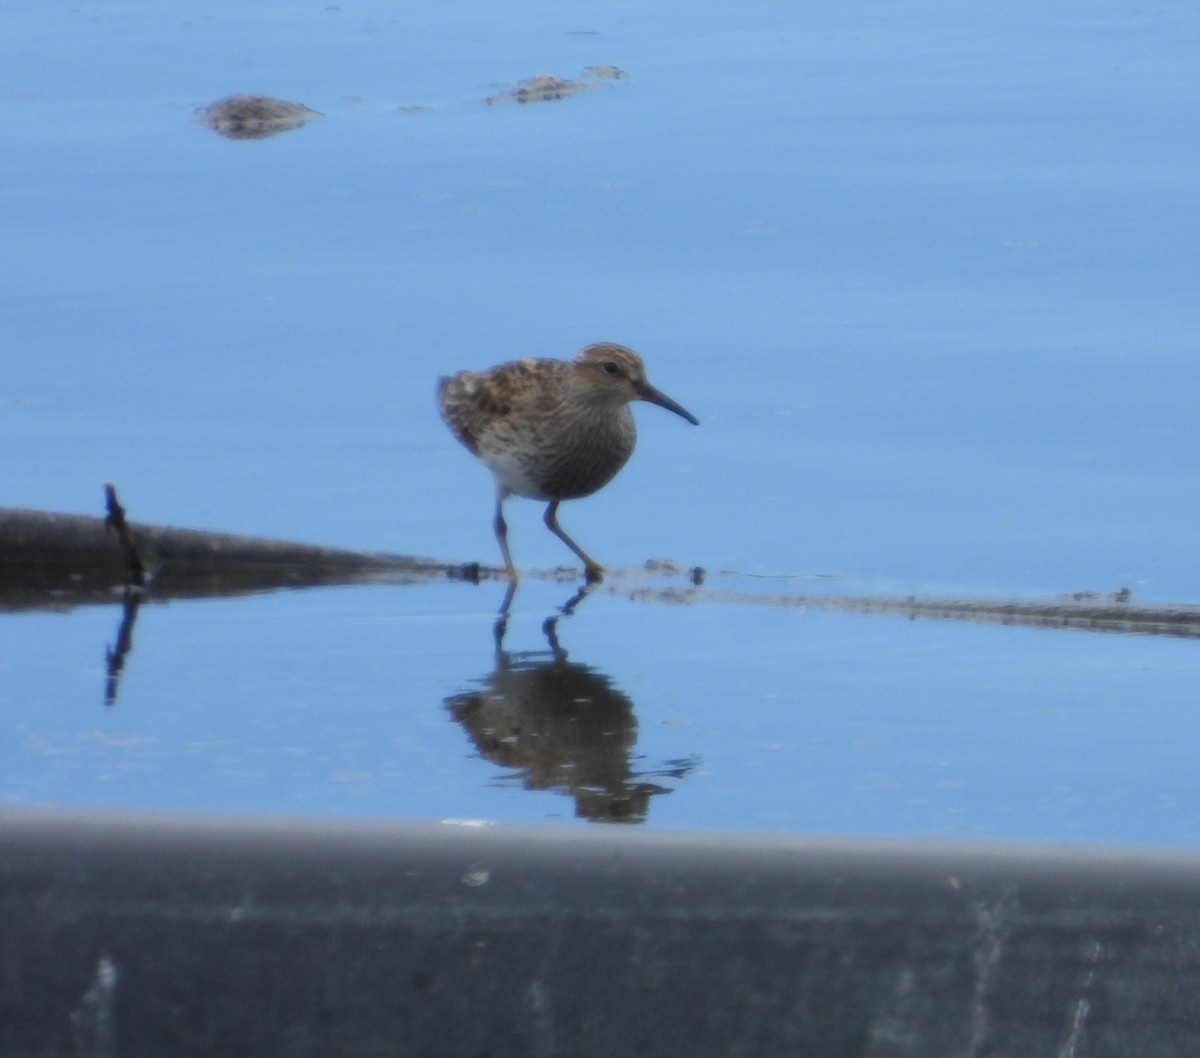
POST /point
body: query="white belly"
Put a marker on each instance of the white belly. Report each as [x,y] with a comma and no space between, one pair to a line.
[511,475]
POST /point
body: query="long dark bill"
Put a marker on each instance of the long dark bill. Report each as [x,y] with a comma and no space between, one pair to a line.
[654,396]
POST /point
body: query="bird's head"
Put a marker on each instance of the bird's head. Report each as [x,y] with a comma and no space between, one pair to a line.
[615,374]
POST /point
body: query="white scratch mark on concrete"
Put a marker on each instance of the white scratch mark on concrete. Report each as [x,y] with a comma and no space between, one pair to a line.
[92,1021]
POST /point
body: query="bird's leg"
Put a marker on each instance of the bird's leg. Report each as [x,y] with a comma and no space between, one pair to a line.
[593,571]
[513,578]
[501,527]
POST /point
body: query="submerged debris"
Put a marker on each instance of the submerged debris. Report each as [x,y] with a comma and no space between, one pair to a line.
[251,117]
[544,88]
[611,73]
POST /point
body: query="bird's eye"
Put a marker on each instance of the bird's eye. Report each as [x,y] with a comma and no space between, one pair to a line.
[611,367]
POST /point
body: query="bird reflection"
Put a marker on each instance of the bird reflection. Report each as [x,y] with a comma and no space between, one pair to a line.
[563,726]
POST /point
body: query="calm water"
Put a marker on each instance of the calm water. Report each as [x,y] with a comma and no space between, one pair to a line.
[925,272]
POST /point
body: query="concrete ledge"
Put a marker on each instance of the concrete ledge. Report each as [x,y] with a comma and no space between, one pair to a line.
[159,936]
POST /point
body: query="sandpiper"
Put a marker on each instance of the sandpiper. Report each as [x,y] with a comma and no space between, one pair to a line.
[552,429]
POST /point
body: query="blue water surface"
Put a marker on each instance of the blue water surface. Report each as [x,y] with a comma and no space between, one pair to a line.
[926,272]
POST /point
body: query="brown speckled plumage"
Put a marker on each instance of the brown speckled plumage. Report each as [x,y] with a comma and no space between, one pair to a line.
[551,429]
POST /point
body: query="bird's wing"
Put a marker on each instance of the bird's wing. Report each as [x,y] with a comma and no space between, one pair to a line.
[474,402]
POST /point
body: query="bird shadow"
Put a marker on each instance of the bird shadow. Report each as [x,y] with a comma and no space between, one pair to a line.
[557,724]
